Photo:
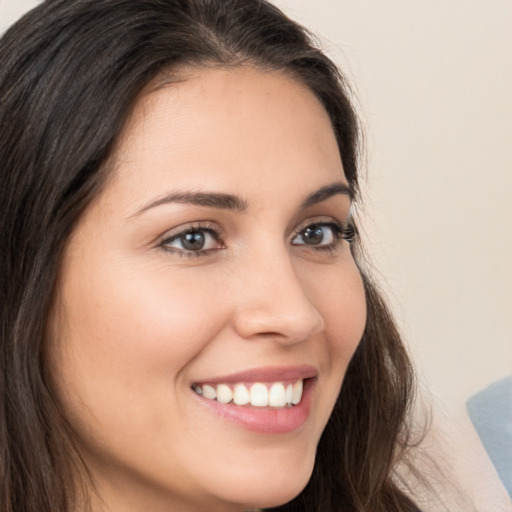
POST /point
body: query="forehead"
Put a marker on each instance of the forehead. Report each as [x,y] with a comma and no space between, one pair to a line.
[227,129]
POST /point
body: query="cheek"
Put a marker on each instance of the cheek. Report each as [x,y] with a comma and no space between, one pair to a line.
[129,333]
[344,308]
[349,318]
[342,303]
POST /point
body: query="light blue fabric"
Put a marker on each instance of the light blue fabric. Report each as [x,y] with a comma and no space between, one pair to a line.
[490,411]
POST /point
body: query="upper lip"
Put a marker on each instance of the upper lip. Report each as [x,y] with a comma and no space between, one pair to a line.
[266,374]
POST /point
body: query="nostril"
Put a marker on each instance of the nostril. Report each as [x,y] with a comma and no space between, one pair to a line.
[294,326]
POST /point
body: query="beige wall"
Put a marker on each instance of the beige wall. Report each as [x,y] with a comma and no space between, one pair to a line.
[434,82]
[12,9]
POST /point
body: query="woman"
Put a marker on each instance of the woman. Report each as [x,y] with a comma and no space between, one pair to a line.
[182,288]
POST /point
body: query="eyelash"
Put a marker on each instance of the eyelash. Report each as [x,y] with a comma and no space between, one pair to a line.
[340,232]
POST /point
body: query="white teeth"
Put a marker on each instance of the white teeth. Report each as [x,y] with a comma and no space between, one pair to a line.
[276,394]
[224,394]
[259,395]
[209,392]
[297,392]
[288,393]
[241,395]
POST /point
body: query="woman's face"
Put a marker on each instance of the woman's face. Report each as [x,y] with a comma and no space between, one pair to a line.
[214,262]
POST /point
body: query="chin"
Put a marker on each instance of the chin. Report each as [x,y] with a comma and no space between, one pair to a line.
[279,495]
[274,485]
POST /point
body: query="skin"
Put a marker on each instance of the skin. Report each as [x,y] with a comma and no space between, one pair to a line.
[136,322]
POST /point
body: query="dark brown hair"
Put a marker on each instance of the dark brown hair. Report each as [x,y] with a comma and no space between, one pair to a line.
[71,73]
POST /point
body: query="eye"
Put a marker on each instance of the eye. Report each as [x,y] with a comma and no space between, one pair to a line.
[323,235]
[193,241]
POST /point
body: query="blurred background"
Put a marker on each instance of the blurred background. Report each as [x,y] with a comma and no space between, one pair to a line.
[433,85]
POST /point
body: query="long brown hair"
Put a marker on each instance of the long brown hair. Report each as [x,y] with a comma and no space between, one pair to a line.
[71,73]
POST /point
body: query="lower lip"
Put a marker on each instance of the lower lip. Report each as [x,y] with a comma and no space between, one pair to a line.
[265,420]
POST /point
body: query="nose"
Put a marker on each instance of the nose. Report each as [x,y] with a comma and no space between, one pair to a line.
[273,303]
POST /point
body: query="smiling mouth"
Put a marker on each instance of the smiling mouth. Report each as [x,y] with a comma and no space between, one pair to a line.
[258,394]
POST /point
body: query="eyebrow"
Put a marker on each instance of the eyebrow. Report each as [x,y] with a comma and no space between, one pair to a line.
[327,192]
[230,202]
[208,199]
